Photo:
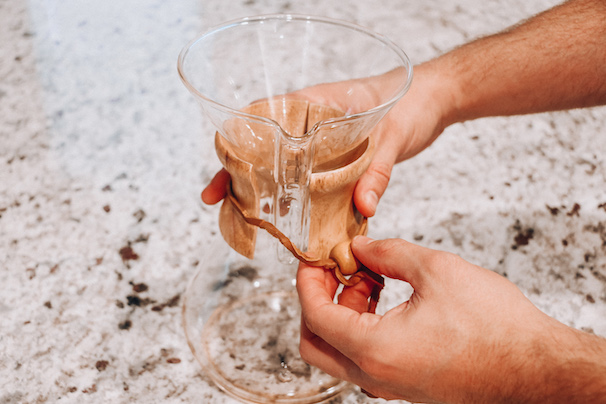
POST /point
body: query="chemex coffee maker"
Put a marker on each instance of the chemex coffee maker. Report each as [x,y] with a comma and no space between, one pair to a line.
[294,100]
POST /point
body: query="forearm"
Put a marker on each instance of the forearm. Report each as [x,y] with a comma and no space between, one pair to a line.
[578,370]
[564,366]
[554,61]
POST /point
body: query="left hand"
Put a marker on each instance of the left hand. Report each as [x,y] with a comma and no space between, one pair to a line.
[407,129]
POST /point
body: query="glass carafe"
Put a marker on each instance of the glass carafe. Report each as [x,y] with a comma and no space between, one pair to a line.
[294,100]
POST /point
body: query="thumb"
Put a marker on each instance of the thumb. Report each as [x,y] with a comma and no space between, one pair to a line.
[373,183]
[394,258]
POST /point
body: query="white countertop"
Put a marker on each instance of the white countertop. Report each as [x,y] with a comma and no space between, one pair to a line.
[102,148]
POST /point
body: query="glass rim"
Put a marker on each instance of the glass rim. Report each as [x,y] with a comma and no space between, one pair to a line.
[405,60]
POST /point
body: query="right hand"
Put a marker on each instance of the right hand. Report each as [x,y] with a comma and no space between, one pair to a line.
[466,334]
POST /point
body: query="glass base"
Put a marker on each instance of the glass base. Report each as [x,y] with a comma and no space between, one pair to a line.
[250,347]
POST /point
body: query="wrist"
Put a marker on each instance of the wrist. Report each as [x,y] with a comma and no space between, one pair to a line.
[442,90]
[423,113]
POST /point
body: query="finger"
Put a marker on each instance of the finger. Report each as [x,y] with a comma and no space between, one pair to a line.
[324,281]
[215,191]
[316,352]
[341,327]
[372,184]
[396,259]
[356,297]
[313,349]
[321,278]
[330,282]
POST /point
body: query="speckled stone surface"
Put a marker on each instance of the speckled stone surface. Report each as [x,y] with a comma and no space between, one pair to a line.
[103,153]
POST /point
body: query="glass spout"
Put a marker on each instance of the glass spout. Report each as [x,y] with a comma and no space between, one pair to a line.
[293,200]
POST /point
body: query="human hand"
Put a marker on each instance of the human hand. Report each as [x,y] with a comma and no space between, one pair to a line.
[465,335]
[216,189]
[412,125]
[408,128]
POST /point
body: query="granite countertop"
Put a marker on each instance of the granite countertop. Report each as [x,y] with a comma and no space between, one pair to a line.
[103,153]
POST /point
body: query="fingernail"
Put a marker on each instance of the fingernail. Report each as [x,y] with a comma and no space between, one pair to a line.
[361,240]
[368,394]
[372,199]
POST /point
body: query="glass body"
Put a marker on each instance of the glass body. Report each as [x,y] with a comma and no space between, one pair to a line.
[294,100]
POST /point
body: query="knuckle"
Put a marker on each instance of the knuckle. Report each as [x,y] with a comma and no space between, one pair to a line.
[449,258]
[389,247]
[308,323]
[314,319]
[380,172]
[434,259]
[305,353]
[440,260]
